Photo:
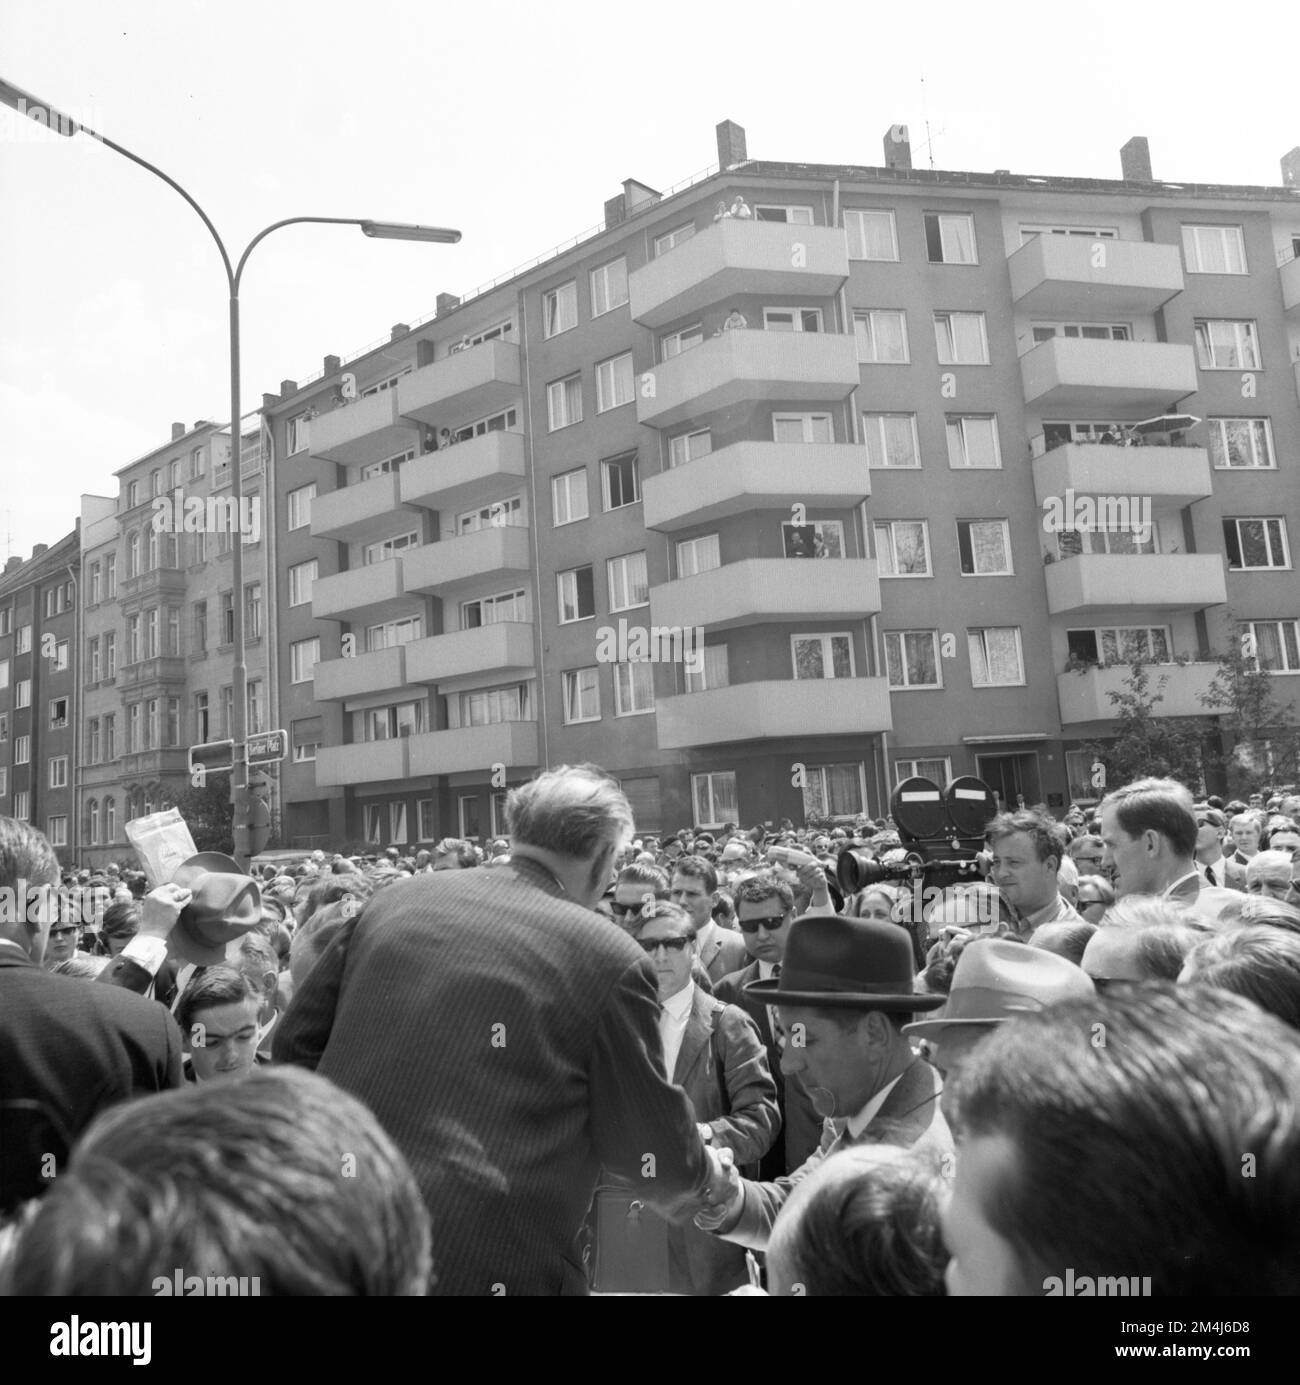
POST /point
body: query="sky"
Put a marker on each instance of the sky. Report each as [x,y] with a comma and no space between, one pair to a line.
[514,123]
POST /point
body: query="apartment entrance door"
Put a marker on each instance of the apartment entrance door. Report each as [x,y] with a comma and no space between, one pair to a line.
[1012,778]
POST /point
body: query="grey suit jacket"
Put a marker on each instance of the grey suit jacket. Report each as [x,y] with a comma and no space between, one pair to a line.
[909,1117]
[724,954]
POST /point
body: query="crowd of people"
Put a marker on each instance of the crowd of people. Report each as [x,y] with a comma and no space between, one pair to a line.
[581,1058]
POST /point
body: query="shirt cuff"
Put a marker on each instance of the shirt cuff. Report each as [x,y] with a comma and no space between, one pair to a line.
[149,953]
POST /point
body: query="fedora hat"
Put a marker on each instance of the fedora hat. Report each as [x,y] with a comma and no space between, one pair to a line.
[837,963]
[996,980]
[226,903]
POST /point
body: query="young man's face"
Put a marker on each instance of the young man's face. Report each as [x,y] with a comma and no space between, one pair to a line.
[61,945]
[671,951]
[1133,863]
[1245,834]
[765,925]
[223,1040]
[1025,881]
[690,893]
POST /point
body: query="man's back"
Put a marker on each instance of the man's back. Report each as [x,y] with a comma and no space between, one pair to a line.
[507,1039]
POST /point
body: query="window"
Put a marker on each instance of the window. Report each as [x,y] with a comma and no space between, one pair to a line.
[110,820]
[973,442]
[823,538]
[391,633]
[634,689]
[172,730]
[95,587]
[1027,233]
[498,515]
[468,815]
[22,750]
[608,287]
[1256,543]
[1085,331]
[713,797]
[132,555]
[686,447]
[227,618]
[502,331]
[6,620]
[256,706]
[133,740]
[92,741]
[397,822]
[225,541]
[373,823]
[792,319]
[56,829]
[151,551]
[938,771]
[872,235]
[581,695]
[299,505]
[58,713]
[1241,442]
[569,497]
[22,805]
[493,610]
[385,468]
[110,736]
[577,594]
[564,402]
[891,440]
[1273,644]
[1223,344]
[1214,250]
[614,383]
[153,738]
[4,673]
[802,428]
[389,548]
[303,657]
[110,575]
[628,585]
[23,692]
[110,653]
[501,422]
[903,548]
[494,705]
[155,482]
[984,547]
[297,434]
[196,463]
[253,611]
[387,383]
[560,309]
[199,627]
[61,656]
[995,659]
[1120,645]
[698,555]
[621,481]
[822,656]
[961,339]
[305,752]
[174,473]
[715,673]
[674,343]
[4,726]
[950,239]
[1095,434]
[202,728]
[666,242]
[58,771]
[881,335]
[424,820]
[132,495]
[835,790]
[301,577]
[912,658]
[792,216]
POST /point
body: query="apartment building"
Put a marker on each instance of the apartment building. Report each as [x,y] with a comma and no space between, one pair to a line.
[855,438]
[39,603]
[157,635]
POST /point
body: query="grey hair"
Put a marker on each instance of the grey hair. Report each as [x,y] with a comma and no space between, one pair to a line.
[1270,867]
[577,811]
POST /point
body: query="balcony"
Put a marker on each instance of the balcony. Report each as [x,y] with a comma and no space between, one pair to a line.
[359,591]
[438,568]
[795,709]
[734,258]
[747,367]
[364,762]
[360,513]
[758,590]
[756,476]
[475,749]
[162,581]
[1091,583]
[1084,696]
[366,430]
[467,385]
[1060,277]
[1069,377]
[1177,475]
[500,652]
[155,764]
[1289,274]
[169,669]
[465,476]
[337,680]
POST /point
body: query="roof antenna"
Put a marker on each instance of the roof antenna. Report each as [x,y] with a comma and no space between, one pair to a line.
[929,141]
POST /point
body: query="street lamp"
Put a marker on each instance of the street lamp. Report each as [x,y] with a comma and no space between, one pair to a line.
[45,114]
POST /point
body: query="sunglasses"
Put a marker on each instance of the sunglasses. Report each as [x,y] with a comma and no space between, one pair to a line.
[651,946]
[769,921]
[621,911]
[72,928]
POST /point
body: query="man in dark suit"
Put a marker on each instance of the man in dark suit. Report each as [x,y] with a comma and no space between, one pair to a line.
[67,1049]
[845,992]
[765,911]
[694,888]
[508,1040]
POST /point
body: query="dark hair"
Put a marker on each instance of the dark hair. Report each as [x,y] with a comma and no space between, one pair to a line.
[699,868]
[666,909]
[121,920]
[1161,1113]
[262,948]
[283,1177]
[1047,835]
[26,854]
[1260,963]
[459,848]
[217,985]
[1156,805]
[756,889]
[1068,940]
[642,873]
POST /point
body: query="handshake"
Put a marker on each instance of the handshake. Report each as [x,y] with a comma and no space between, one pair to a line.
[723,1195]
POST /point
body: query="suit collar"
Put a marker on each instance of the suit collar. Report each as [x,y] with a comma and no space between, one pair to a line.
[918,1086]
[696,1037]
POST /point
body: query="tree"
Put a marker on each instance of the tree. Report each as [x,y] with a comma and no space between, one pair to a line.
[208,814]
[1262,740]
[1147,744]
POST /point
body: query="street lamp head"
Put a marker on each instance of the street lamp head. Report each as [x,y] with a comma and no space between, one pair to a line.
[39,111]
[398,230]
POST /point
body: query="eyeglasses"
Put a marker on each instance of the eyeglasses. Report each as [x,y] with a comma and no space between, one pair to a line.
[652,945]
[621,911]
[71,928]
[769,921]
[1088,903]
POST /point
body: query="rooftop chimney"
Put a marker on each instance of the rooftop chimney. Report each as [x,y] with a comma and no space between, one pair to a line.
[1135,160]
[638,194]
[898,148]
[446,302]
[332,364]
[12,563]
[288,387]
[616,211]
[398,329]
[178,431]
[38,549]
[731,145]
[1291,168]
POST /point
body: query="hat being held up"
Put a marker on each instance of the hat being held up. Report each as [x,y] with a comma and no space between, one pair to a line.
[225,904]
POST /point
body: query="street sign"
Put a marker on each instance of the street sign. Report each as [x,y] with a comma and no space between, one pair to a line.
[267,747]
[212,758]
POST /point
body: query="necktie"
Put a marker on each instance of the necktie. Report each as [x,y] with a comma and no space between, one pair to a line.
[773,1019]
[1209,875]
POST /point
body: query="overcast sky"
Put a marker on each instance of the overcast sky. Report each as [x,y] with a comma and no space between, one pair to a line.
[514,123]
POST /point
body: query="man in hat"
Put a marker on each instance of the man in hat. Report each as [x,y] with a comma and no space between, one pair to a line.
[844,995]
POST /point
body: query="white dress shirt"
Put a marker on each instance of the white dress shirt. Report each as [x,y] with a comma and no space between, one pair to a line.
[673,1014]
[855,1125]
[705,936]
[766,970]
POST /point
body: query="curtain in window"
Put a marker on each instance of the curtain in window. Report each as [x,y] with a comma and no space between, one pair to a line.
[988,546]
[844,789]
